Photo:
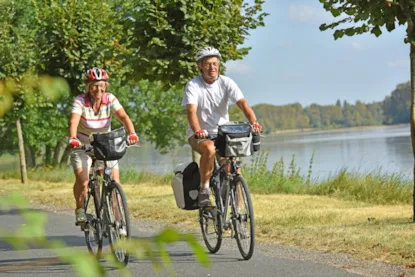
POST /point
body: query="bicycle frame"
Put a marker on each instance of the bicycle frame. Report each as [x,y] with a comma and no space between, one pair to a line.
[102,179]
[229,195]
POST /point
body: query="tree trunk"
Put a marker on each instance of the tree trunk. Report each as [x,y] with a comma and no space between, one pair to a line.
[65,157]
[30,157]
[48,156]
[412,60]
[23,171]
[59,151]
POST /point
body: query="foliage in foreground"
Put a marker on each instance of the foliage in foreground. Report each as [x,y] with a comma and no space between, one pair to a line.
[32,233]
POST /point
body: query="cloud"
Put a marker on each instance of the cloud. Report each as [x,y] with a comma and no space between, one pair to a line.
[306,14]
[238,67]
[285,44]
[399,63]
[356,45]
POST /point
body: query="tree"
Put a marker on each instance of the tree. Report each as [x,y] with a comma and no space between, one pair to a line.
[167,34]
[372,16]
[397,107]
[17,57]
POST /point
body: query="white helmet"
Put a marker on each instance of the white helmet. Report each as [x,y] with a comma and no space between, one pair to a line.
[207,52]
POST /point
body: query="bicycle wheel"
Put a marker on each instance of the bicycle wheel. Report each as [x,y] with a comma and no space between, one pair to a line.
[119,221]
[92,230]
[211,223]
[243,219]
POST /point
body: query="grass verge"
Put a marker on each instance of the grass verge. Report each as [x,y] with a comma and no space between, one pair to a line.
[366,230]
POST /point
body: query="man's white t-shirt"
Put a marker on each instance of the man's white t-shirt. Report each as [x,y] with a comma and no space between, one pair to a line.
[211,100]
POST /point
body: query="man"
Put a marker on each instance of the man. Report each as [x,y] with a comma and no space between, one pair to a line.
[206,100]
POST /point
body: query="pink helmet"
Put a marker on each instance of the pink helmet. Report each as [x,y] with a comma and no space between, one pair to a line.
[96,74]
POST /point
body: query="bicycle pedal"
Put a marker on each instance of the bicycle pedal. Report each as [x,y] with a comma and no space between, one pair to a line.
[209,208]
[81,223]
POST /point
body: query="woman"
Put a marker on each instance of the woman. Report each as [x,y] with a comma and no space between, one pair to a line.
[92,113]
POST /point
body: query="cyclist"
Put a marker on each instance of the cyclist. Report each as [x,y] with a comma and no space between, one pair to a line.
[92,113]
[206,100]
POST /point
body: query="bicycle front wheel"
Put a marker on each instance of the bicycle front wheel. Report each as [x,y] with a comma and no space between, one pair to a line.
[119,221]
[243,218]
[92,230]
[210,219]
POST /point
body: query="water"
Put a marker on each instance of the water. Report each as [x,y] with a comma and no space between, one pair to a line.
[364,149]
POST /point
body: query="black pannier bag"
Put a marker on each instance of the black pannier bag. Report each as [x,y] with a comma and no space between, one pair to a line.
[185,184]
[234,140]
[110,146]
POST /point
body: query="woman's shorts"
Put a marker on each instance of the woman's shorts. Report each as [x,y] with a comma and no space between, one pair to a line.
[79,159]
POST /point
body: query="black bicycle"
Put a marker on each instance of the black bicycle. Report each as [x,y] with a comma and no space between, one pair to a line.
[106,210]
[231,210]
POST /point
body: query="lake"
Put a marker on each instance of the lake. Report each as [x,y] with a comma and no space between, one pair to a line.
[363,149]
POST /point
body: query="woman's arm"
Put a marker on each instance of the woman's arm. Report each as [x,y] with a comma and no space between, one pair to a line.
[73,124]
[125,120]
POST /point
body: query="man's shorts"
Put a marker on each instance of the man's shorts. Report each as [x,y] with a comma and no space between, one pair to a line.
[194,143]
[79,159]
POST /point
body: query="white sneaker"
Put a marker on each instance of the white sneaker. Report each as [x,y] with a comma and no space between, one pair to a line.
[122,232]
[80,215]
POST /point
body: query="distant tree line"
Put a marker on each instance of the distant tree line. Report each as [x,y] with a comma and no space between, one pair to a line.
[394,109]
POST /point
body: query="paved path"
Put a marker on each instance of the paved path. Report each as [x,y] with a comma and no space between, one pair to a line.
[267,260]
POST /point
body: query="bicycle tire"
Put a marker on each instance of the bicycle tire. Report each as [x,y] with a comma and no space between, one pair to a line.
[243,220]
[114,227]
[212,239]
[93,230]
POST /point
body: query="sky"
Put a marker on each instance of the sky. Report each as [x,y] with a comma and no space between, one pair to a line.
[292,61]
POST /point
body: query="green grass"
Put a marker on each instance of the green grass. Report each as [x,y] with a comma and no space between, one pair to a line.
[373,187]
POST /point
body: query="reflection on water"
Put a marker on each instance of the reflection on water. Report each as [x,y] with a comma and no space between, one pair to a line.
[385,148]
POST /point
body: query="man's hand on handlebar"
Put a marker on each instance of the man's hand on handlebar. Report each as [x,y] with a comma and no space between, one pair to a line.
[201,134]
[256,128]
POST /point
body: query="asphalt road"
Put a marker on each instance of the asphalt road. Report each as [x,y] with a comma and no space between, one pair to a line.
[267,260]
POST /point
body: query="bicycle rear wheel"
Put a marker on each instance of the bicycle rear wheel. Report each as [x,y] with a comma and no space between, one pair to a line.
[119,221]
[92,230]
[211,223]
[243,219]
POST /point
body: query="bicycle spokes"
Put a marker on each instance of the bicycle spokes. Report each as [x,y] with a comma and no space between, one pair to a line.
[243,218]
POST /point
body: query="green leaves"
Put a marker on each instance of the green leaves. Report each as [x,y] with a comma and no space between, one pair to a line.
[376,31]
[173,31]
[373,14]
[32,232]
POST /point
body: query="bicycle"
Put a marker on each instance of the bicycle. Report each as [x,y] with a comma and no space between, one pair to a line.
[229,190]
[107,213]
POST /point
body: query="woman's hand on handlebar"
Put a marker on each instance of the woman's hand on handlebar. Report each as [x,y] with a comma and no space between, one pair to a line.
[74,142]
[132,139]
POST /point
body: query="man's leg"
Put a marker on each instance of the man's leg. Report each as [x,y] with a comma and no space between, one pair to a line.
[207,150]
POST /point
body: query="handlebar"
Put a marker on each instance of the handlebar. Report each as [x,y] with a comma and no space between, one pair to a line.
[90,148]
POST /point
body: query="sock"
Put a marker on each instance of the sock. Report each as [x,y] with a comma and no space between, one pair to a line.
[204,186]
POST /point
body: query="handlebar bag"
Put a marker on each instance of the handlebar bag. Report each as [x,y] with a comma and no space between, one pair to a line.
[234,140]
[110,146]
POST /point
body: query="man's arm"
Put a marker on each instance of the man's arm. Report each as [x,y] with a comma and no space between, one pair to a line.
[125,120]
[192,117]
[247,110]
